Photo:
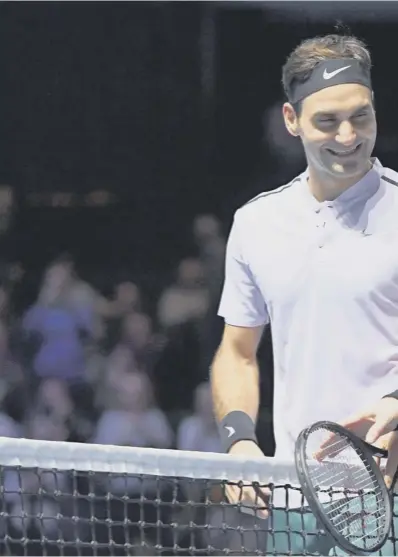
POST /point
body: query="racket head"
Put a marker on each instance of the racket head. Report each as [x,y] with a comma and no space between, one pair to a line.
[357,510]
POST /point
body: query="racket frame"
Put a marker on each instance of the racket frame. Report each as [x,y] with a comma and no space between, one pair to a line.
[367,453]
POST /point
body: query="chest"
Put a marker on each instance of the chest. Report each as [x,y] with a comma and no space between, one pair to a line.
[324,258]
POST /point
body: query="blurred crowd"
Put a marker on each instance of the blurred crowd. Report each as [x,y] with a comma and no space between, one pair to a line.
[79,366]
[76,365]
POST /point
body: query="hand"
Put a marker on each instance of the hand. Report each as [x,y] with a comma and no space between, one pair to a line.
[246,495]
[376,425]
[389,441]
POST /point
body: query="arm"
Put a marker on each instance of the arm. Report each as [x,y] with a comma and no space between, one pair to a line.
[234,376]
[235,382]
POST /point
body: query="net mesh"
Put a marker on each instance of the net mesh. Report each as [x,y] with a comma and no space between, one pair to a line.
[80,499]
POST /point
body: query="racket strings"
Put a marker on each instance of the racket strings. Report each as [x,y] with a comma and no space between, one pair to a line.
[347,489]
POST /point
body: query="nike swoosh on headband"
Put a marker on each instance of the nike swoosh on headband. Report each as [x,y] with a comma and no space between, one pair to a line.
[329,75]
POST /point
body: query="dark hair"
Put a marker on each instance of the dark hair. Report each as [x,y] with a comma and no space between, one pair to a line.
[302,61]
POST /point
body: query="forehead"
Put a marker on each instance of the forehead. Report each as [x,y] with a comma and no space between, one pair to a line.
[346,97]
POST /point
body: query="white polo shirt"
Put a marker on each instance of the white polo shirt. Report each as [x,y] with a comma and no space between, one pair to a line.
[325,275]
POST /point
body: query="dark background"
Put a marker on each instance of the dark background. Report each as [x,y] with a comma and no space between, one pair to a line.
[159,103]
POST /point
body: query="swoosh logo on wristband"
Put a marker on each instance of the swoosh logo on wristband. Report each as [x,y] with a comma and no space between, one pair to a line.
[230,430]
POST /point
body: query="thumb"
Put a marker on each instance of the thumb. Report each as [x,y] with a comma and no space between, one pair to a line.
[378,429]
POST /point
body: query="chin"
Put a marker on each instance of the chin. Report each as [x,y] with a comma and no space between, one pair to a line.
[354,170]
[351,169]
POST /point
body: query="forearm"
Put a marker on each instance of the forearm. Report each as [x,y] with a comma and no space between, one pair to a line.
[235,384]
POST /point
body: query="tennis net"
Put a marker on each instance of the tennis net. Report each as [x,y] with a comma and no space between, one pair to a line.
[82,499]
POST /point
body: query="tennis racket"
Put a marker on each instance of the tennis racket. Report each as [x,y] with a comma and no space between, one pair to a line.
[344,487]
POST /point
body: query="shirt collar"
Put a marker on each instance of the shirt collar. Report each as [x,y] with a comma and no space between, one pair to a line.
[365,188]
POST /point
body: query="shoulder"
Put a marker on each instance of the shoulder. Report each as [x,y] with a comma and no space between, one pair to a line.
[390,177]
[389,189]
[265,203]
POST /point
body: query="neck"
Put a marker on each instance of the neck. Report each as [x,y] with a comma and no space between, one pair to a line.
[328,188]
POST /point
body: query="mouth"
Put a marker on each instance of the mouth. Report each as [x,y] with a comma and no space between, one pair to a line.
[346,152]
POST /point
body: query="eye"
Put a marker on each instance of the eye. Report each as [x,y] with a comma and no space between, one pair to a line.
[326,122]
[360,115]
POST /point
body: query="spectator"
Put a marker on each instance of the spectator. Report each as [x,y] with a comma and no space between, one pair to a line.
[11,373]
[198,432]
[77,293]
[65,406]
[137,421]
[117,368]
[211,245]
[53,399]
[187,300]
[23,486]
[60,324]
[128,297]
[139,342]
[95,365]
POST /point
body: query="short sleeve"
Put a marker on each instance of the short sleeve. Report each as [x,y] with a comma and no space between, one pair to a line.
[242,303]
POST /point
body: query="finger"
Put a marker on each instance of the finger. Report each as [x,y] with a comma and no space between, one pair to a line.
[392,461]
[357,423]
[233,493]
[383,425]
[256,500]
[330,447]
[251,501]
[356,420]
[325,447]
[262,494]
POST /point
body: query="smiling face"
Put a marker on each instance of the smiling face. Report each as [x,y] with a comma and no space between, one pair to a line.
[337,126]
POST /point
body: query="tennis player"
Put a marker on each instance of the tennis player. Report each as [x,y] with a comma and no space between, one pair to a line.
[316,258]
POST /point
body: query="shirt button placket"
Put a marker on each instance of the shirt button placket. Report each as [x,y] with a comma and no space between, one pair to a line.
[321,227]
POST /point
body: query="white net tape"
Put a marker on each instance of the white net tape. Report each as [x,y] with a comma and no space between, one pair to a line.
[111,459]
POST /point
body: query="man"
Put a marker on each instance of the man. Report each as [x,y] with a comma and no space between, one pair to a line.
[317,259]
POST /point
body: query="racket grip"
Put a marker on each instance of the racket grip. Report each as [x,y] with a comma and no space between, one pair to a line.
[376,451]
[381,453]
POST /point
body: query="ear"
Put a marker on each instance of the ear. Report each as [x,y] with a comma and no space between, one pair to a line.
[291,119]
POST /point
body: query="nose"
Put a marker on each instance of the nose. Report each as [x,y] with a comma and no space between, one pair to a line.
[346,134]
